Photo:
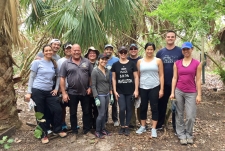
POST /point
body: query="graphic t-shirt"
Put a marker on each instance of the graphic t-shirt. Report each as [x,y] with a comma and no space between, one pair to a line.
[124,77]
[168,58]
[45,73]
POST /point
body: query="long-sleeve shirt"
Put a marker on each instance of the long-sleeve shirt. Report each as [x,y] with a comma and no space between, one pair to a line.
[101,84]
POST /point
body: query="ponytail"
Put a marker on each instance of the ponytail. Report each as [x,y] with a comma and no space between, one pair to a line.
[54,63]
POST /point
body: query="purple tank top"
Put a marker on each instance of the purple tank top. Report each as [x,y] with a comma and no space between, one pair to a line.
[186,76]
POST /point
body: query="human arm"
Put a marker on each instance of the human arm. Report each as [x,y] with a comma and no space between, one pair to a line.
[65,97]
[138,67]
[30,84]
[198,84]
[114,85]
[55,91]
[174,82]
[93,83]
[161,78]
[136,83]
[88,91]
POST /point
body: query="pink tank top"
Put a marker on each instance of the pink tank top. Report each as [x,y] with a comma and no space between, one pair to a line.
[186,76]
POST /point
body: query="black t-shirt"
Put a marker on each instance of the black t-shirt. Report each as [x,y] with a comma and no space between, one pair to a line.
[124,77]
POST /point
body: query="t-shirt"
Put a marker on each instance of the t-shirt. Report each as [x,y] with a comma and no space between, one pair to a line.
[110,63]
[186,76]
[134,60]
[168,58]
[77,75]
[55,56]
[59,64]
[124,77]
[45,72]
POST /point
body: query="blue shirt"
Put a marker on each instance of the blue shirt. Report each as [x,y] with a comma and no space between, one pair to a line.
[45,72]
[110,63]
[168,58]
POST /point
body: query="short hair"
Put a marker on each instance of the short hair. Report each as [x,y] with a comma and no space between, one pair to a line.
[150,44]
[171,31]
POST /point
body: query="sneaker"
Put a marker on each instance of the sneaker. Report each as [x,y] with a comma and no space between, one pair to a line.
[49,132]
[105,132]
[62,134]
[64,127]
[154,133]
[121,131]
[183,142]
[141,130]
[44,140]
[127,131]
[99,135]
[190,141]
[116,123]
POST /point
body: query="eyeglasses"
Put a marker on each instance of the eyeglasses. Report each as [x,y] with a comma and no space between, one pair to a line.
[123,52]
[133,49]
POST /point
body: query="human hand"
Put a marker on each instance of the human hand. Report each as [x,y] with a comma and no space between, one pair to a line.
[135,94]
[65,97]
[116,95]
[54,92]
[172,97]
[161,94]
[27,97]
[97,102]
[88,91]
[198,99]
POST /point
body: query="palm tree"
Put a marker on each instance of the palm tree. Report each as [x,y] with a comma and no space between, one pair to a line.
[9,36]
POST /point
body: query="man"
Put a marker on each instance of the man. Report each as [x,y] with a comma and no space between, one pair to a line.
[92,56]
[55,44]
[77,70]
[109,51]
[133,56]
[168,55]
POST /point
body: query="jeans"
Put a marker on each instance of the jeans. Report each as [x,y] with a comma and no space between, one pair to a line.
[44,99]
[73,103]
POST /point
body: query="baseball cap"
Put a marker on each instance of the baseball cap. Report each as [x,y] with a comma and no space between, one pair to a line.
[187,45]
[122,48]
[55,40]
[103,55]
[66,45]
[108,45]
[91,49]
[134,45]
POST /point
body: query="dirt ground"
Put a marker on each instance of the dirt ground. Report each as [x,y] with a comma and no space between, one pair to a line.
[209,133]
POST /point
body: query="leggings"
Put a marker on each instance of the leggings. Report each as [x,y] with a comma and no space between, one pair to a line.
[153,96]
[125,111]
[102,110]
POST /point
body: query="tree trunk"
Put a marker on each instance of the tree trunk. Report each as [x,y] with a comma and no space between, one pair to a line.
[8,110]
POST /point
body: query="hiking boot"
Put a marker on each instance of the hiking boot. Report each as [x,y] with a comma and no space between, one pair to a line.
[62,134]
[183,142]
[141,130]
[116,123]
[190,141]
[105,132]
[121,131]
[154,133]
[99,135]
[127,131]
[44,140]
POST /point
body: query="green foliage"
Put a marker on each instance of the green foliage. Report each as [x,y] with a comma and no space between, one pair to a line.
[37,133]
[221,73]
[39,115]
[5,142]
[38,130]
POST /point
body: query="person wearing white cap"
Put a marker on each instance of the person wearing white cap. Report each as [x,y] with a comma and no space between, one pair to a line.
[186,89]
[112,59]
[55,44]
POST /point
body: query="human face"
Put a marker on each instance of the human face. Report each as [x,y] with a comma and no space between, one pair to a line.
[76,51]
[123,54]
[55,46]
[48,52]
[67,51]
[149,51]
[133,51]
[108,51]
[187,52]
[102,62]
[92,55]
[170,38]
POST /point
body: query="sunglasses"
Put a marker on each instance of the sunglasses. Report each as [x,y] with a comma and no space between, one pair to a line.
[133,49]
[123,52]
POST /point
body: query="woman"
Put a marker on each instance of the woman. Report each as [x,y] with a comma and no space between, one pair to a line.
[150,70]
[125,85]
[102,89]
[186,89]
[40,90]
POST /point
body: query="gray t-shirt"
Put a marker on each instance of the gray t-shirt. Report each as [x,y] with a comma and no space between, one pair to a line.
[59,64]
[77,75]
[45,72]
[55,56]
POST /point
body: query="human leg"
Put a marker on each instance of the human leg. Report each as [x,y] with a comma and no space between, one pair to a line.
[128,109]
[73,102]
[115,112]
[133,118]
[122,108]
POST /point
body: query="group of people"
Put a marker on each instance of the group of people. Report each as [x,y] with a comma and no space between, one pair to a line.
[97,80]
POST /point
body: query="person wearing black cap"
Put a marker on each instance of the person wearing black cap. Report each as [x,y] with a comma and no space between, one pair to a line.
[125,85]
[133,56]
[92,56]
[102,92]
[112,59]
